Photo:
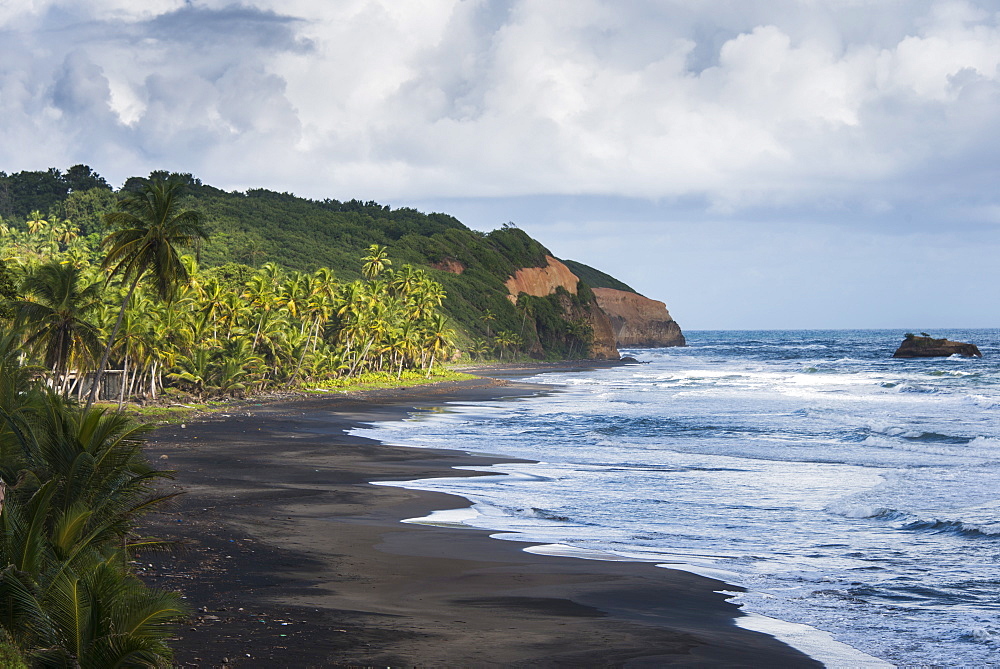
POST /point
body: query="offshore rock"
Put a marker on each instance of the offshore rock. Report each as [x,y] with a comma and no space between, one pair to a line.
[638,321]
[928,347]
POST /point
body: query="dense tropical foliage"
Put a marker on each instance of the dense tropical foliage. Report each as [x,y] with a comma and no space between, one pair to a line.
[259,226]
[166,324]
[73,483]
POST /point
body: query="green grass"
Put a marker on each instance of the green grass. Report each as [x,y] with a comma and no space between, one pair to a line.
[382,380]
[167,415]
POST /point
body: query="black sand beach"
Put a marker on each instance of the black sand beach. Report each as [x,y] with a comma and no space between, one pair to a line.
[293,560]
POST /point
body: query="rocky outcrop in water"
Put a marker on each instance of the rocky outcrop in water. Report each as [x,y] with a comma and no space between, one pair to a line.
[638,321]
[928,347]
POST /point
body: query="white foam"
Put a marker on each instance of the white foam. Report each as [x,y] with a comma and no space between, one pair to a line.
[982,635]
[857,510]
[446,518]
[563,550]
[815,643]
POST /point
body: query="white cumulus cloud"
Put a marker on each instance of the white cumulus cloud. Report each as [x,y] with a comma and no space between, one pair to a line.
[789,103]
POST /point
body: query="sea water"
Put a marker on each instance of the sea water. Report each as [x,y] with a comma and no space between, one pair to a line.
[845,490]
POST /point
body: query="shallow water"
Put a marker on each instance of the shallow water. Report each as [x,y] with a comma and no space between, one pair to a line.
[847,490]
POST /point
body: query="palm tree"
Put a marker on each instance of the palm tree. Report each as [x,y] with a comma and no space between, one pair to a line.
[260,292]
[195,370]
[236,367]
[65,232]
[437,338]
[506,339]
[149,231]
[69,599]
[35,222]
[376,261]
[479,348]
[488,317]
[56,313]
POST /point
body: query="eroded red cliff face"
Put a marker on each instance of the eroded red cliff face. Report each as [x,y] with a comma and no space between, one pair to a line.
[542,281]
[638,321]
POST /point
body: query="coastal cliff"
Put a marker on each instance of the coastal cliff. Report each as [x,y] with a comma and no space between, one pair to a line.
[554,278]
[542,281]
[638,321]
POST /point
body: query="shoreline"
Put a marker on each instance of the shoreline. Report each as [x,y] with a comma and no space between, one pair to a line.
[295,559]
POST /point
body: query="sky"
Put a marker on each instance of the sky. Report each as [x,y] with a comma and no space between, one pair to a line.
[754,164]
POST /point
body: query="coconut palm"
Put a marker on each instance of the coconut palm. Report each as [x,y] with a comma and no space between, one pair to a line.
[149,231]
[65,232]
[488,317]
[260,292]
[505,340]
[437,338]
[236,367]
[93,617]
[375,262]
[56,314]
[36,223]
[195,370]
[479,348]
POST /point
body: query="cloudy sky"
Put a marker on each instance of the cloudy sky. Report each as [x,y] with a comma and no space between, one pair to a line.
[754,164]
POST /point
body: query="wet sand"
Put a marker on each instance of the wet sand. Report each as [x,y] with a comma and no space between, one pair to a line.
[292,559]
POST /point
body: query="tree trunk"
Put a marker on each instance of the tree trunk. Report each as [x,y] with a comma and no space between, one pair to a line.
[360,357]
[152,380]
[121,392]
[315,335]
[95,389]
[63,382]
[133,384]
[299,366]
[256,336]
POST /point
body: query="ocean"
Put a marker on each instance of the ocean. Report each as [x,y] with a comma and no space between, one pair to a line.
[845,490]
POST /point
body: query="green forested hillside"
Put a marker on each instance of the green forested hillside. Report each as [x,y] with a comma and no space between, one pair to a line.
[262,226]
[595,278]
